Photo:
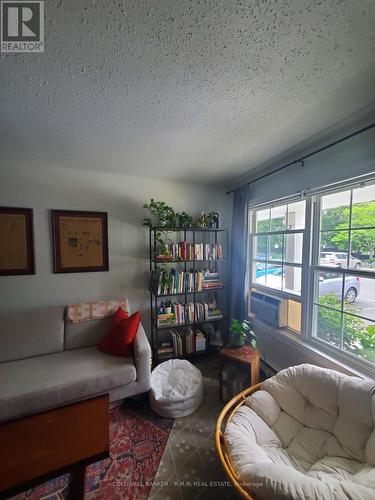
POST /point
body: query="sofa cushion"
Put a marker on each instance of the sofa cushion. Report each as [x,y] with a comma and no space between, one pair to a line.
[35,384]
[86,333]
[119,338]
[26,334]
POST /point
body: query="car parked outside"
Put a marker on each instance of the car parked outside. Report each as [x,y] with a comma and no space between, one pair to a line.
[339,259]
[332,283]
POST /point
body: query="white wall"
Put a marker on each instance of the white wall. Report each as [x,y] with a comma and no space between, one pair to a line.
[122,197]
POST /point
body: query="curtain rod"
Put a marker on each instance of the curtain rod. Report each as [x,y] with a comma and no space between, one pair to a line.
[303,158]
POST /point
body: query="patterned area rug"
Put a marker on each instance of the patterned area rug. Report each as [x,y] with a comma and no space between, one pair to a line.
[137,441]
[190,468]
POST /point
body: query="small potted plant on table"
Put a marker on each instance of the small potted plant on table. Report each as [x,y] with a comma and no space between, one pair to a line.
[240,333]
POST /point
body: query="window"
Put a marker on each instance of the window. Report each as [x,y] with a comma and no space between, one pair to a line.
[277,249]
[318,254]
[343,274]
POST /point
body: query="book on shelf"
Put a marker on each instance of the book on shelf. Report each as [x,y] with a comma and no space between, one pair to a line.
[191,251]
[187,341]
[172,281]
[190,313]
[166,319]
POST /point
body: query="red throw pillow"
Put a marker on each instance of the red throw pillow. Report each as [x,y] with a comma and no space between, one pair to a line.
[119,338]
[119,315]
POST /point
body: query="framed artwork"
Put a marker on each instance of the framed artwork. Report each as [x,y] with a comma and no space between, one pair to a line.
[80,241]
[16,241]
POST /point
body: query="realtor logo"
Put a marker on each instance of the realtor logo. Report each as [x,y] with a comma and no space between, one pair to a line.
[22,26]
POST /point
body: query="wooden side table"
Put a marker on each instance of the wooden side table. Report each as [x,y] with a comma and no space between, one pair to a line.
[239,369]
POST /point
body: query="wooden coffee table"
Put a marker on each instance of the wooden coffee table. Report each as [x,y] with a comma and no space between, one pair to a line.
[39,447]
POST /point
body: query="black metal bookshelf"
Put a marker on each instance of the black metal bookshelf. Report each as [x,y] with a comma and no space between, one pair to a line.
[192,236]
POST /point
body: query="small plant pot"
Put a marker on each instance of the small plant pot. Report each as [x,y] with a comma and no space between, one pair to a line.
[167,310]
[236,340]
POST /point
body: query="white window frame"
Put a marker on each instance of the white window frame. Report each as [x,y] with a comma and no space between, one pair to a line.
[345,357]
[305,255]
[310,264]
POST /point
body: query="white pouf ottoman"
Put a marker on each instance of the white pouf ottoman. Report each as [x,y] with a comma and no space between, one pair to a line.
[176,388]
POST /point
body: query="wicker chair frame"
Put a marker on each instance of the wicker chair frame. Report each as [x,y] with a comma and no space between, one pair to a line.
[224,418]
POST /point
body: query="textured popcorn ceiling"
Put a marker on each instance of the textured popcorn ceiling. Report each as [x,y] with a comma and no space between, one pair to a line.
[201,90]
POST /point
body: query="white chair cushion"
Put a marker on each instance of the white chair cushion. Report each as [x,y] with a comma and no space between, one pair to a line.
[308,433]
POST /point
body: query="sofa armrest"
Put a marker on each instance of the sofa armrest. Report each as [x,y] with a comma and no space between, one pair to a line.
[142,357]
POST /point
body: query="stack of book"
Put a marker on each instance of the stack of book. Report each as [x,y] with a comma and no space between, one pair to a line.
[165,350]
[166,319]
[190,251]
[211,280]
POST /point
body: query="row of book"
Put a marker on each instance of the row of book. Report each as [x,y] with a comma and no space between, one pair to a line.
[211,280]
[191,251]
[190,313]
[164,282]
[183,341]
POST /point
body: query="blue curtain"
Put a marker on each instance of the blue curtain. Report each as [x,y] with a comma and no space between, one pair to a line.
[239,244]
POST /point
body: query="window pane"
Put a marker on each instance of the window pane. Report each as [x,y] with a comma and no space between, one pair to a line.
[335,211]
[328,325]
[296,215]
[334,248]
[259,273]
[278,218]
[329,289]
[274,276]
[363,249]
[260,247]
[294,315]
[263,220]
[292,279]
[293,248]
[363,212]
[276,244]
[360,296]
[359,337]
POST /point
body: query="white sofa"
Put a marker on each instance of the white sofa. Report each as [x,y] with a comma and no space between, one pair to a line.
[308,433]
[45,362]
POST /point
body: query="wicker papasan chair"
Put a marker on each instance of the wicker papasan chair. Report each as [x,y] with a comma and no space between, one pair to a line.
[306,433]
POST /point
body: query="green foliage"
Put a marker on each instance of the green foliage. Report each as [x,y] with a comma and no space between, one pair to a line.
[208,220]
[362,240]
[243,331]
[163,214]
[276,240]
[357,338]
[184,220]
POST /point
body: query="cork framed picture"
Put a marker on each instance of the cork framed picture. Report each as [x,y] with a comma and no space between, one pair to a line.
[80,241]
[16,241]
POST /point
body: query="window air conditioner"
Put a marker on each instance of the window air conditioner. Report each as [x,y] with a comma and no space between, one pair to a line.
[269,309]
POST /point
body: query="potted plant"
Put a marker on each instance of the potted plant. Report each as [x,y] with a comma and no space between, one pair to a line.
[164,215]
[168,307]
[213,220]
[241,334]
